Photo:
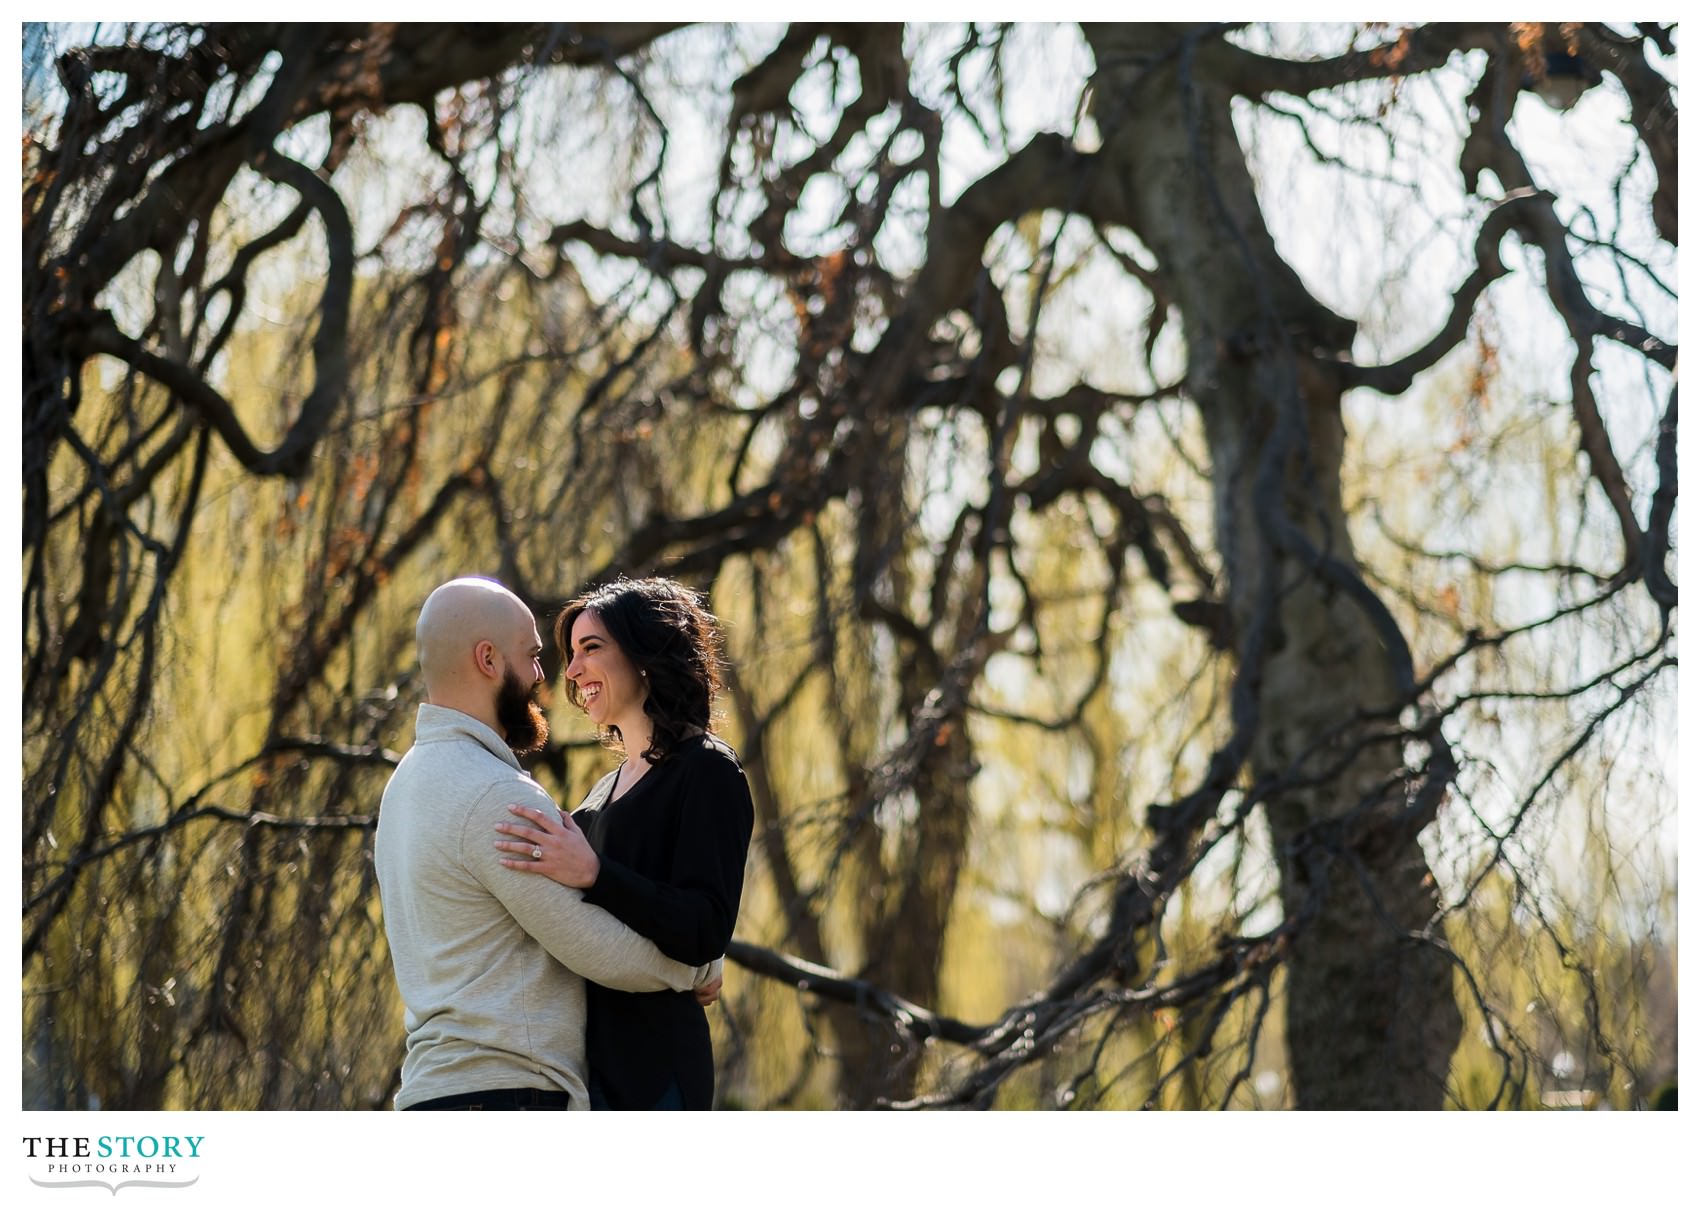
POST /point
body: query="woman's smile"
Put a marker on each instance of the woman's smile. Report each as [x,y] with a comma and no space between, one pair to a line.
[609,686]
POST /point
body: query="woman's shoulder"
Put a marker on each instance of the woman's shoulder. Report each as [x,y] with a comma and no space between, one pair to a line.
[711,774]
[707,750]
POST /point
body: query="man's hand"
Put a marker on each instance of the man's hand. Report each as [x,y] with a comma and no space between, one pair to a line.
[549,844]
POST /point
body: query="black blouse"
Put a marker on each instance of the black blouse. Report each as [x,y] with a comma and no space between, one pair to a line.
[672,851]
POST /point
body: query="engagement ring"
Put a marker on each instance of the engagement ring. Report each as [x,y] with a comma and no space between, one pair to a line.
[537,852]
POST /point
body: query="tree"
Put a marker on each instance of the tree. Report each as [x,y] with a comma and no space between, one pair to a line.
[954,454]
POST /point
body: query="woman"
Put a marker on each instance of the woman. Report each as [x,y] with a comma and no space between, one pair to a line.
[668,829]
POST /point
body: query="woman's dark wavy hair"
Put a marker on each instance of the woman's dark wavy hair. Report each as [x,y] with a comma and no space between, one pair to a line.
[665,630]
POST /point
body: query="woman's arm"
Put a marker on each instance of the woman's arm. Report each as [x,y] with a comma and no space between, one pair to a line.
[693,912]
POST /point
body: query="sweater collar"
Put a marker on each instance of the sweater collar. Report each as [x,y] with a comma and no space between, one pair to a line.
[446,724]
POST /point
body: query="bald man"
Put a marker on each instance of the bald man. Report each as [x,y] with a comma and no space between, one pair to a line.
[491,962]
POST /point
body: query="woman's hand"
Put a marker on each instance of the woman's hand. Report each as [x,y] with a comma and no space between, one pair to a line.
[549,844]
[708,989]
[708,994]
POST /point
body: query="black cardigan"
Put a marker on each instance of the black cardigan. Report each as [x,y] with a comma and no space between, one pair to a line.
[672,851]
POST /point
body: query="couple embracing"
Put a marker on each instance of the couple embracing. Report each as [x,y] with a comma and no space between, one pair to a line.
[550,962]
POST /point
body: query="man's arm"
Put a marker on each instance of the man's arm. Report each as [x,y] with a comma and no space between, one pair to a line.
[590,941]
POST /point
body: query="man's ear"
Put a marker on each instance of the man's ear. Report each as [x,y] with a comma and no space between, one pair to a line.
[487,659]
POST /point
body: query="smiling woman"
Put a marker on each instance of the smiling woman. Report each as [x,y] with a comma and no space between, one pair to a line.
[669,827]
[605,683]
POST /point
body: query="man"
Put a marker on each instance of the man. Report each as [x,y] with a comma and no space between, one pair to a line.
[491,963]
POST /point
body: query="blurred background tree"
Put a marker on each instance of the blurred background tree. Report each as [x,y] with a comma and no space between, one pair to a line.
[1192,506]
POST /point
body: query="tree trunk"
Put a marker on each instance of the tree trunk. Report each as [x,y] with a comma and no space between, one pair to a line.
[1370,1014]
[905,903]
[903,930]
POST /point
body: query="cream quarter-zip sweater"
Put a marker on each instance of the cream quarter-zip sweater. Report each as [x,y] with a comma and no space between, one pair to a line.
[491,962]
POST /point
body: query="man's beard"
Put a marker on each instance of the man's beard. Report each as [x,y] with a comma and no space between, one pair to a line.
[520,717]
